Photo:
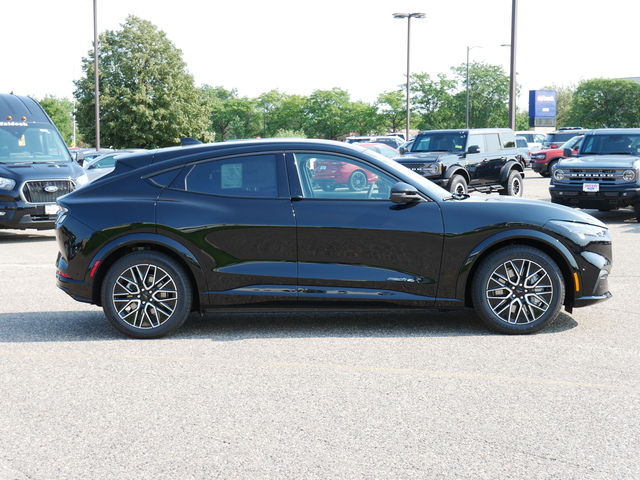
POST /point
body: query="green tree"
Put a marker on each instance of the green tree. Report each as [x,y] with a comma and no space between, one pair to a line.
[431,101]
[61,112]
[147,99]
[232,117]
[488,95]
[326,113]
[564,99]
[392,110]
[606,103]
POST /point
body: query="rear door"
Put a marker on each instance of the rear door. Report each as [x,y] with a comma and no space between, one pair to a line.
[237,211]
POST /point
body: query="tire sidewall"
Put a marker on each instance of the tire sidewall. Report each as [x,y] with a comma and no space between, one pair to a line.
[177,274]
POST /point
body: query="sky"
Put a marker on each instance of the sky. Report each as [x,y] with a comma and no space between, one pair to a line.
[298,46]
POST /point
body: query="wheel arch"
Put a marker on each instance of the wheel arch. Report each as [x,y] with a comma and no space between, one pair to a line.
[118,248]
[454,170]
[543,242]
[508,168]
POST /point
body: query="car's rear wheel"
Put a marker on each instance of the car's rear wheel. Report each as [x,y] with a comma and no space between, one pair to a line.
[518,289]
[146,295]
[458,185]
[513,185]
[636,209]
[357,181]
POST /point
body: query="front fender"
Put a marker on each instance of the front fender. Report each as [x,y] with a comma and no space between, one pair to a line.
[542,240]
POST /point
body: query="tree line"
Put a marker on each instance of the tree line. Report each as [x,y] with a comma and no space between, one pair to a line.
[149,100]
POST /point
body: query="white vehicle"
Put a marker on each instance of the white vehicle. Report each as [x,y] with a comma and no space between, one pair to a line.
[534,139]
[99,166]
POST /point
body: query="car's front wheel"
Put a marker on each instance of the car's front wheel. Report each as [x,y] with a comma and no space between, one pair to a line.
[146,295]
[458,185]
[518,289]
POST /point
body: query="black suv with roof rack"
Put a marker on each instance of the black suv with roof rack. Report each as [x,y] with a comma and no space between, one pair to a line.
[482,160]
[605,173]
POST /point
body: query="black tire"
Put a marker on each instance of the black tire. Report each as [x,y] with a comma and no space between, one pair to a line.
[357,181]
[146,295]
[328,187]
[636,209]
[518,290]
[513,185]
[458,185]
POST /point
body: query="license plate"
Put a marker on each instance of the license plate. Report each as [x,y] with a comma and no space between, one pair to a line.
[590,187]
[51,209]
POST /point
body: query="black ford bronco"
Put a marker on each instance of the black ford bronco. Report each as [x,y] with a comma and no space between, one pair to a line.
[483,160]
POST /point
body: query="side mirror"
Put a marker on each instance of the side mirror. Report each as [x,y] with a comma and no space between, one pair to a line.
[473,149]
[404,193]
[567,152]
[402,150]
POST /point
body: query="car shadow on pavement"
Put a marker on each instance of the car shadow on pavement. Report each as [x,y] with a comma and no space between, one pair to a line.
[8,237]
[228,327]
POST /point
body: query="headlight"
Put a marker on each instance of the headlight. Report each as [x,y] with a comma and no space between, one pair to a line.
[539,156]
[558,174]
[7,183]
[629,175]
[432,169]
[581,233]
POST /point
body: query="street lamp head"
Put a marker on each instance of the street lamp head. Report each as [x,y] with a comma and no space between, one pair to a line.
[409,15]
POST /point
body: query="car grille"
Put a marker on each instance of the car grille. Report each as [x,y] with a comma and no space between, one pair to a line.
[601,175]
[46,191]
[415,166]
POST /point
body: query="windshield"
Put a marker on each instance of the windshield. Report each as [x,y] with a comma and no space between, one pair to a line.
[22,142]
[440,142]
[611,144]
[574,142]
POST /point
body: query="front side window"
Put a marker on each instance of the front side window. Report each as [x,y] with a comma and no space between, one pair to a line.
[329,176]
[250,176]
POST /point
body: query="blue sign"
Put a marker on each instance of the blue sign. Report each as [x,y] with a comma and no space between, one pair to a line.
[542,104]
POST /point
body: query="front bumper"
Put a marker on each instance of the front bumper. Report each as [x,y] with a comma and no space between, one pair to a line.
[607,198]
[21,216]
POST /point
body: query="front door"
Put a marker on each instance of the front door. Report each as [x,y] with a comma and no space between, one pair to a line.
[354,244]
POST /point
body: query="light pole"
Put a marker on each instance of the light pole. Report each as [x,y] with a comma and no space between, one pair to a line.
[408,16]
[95,72]
[467,103]
[512,73]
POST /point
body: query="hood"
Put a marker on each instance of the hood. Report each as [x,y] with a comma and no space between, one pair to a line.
[516,210]
[40,171]
[599,161]
[423,156]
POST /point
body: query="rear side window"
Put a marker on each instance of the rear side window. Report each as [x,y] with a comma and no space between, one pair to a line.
[251,176]
[493,142]
[508,140]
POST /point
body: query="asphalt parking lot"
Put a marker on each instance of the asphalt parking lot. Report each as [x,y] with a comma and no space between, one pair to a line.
[316,396]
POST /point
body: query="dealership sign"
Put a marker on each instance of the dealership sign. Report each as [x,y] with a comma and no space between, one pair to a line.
[542,103]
